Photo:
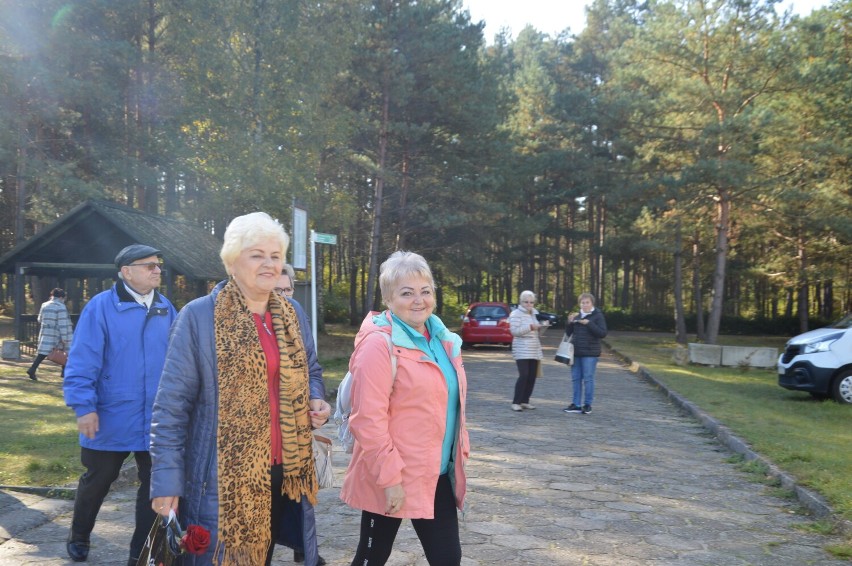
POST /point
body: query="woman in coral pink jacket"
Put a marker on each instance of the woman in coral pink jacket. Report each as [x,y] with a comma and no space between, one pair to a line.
[411,444]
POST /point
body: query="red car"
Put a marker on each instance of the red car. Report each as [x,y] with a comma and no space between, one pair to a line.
[486,323]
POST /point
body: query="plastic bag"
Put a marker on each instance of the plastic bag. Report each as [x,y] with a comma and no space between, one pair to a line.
[162,547]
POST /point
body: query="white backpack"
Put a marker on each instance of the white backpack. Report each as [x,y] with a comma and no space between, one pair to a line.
[343,406]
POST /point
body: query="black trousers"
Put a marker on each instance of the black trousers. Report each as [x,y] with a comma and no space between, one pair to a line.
[290,521]
[37,362]
[527,370]
[102,468]
[439,536]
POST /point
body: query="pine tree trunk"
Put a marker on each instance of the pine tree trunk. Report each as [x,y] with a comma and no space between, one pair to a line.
[723,214]
[680,320]
[802,291]
[376,232]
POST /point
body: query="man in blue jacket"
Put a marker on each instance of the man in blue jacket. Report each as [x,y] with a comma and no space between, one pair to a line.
[111,378]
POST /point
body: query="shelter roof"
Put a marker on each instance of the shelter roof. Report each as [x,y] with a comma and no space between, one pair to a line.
[86,240]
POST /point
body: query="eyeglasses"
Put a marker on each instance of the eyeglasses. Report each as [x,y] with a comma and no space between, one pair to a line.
[284,291]
[151,265]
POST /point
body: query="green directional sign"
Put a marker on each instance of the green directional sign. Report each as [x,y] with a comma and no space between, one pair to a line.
[325,238]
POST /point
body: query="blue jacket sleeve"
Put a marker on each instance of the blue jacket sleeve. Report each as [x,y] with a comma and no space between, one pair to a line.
[317,384]
[85,360]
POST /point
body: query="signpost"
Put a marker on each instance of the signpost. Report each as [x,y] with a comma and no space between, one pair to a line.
[317,238]
[325,238]
[300,233]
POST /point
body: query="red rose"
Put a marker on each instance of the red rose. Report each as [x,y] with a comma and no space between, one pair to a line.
[196,540]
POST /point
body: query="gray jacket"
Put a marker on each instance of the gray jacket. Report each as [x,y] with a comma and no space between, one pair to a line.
[184,423]
[55,327]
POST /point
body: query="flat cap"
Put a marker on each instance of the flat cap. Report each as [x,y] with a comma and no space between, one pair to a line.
[133,252]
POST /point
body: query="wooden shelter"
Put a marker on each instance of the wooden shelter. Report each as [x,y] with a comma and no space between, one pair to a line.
[83,243]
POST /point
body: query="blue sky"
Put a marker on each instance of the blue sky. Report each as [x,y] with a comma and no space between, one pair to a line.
[553,16]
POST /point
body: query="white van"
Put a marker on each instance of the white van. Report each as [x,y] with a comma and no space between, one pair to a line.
[820,362]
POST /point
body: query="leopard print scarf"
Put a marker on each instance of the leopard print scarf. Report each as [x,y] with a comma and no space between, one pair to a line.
[243,439]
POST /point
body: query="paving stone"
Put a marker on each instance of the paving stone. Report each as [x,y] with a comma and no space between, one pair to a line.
[638,482]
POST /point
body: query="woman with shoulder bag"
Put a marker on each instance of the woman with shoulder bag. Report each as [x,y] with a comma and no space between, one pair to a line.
[586,328]
[55,331]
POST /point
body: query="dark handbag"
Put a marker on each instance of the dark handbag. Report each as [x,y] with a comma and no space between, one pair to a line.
[58,356]
[565,351]
[162,547]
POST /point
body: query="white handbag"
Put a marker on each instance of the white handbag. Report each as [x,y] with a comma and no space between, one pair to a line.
[322,461]
[565,351]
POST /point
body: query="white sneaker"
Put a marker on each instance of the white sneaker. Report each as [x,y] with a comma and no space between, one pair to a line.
[517,407]
[527,406]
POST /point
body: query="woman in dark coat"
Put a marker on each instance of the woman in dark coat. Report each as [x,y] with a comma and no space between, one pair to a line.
[586,328]
[231,427]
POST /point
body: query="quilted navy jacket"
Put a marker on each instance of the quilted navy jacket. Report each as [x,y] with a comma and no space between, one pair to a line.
[587,337]
[183,431]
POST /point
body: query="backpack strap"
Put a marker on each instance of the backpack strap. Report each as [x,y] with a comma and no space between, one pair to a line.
[343,404]
[392,355]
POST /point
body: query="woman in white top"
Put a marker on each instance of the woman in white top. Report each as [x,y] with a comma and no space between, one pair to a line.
[526,349]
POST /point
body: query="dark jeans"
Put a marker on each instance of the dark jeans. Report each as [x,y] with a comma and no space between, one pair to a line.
[102,468]
[527,370]
[439,536]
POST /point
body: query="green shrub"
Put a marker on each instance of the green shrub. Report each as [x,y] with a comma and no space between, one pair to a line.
[336,308]
[618,319]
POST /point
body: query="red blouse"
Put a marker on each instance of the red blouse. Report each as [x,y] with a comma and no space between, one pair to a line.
[273,361]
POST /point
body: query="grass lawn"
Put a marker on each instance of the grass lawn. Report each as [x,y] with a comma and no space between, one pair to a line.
[810,439]
[38,433]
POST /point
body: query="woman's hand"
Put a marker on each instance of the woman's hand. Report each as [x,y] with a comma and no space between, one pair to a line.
[163,505]
[394,499]
[319,412]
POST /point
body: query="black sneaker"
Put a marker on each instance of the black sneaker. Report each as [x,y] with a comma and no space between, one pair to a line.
[572,408]
[299,557]
[587,409]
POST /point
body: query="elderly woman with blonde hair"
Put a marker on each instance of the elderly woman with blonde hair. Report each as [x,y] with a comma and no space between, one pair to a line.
[232,423]
[408,420]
